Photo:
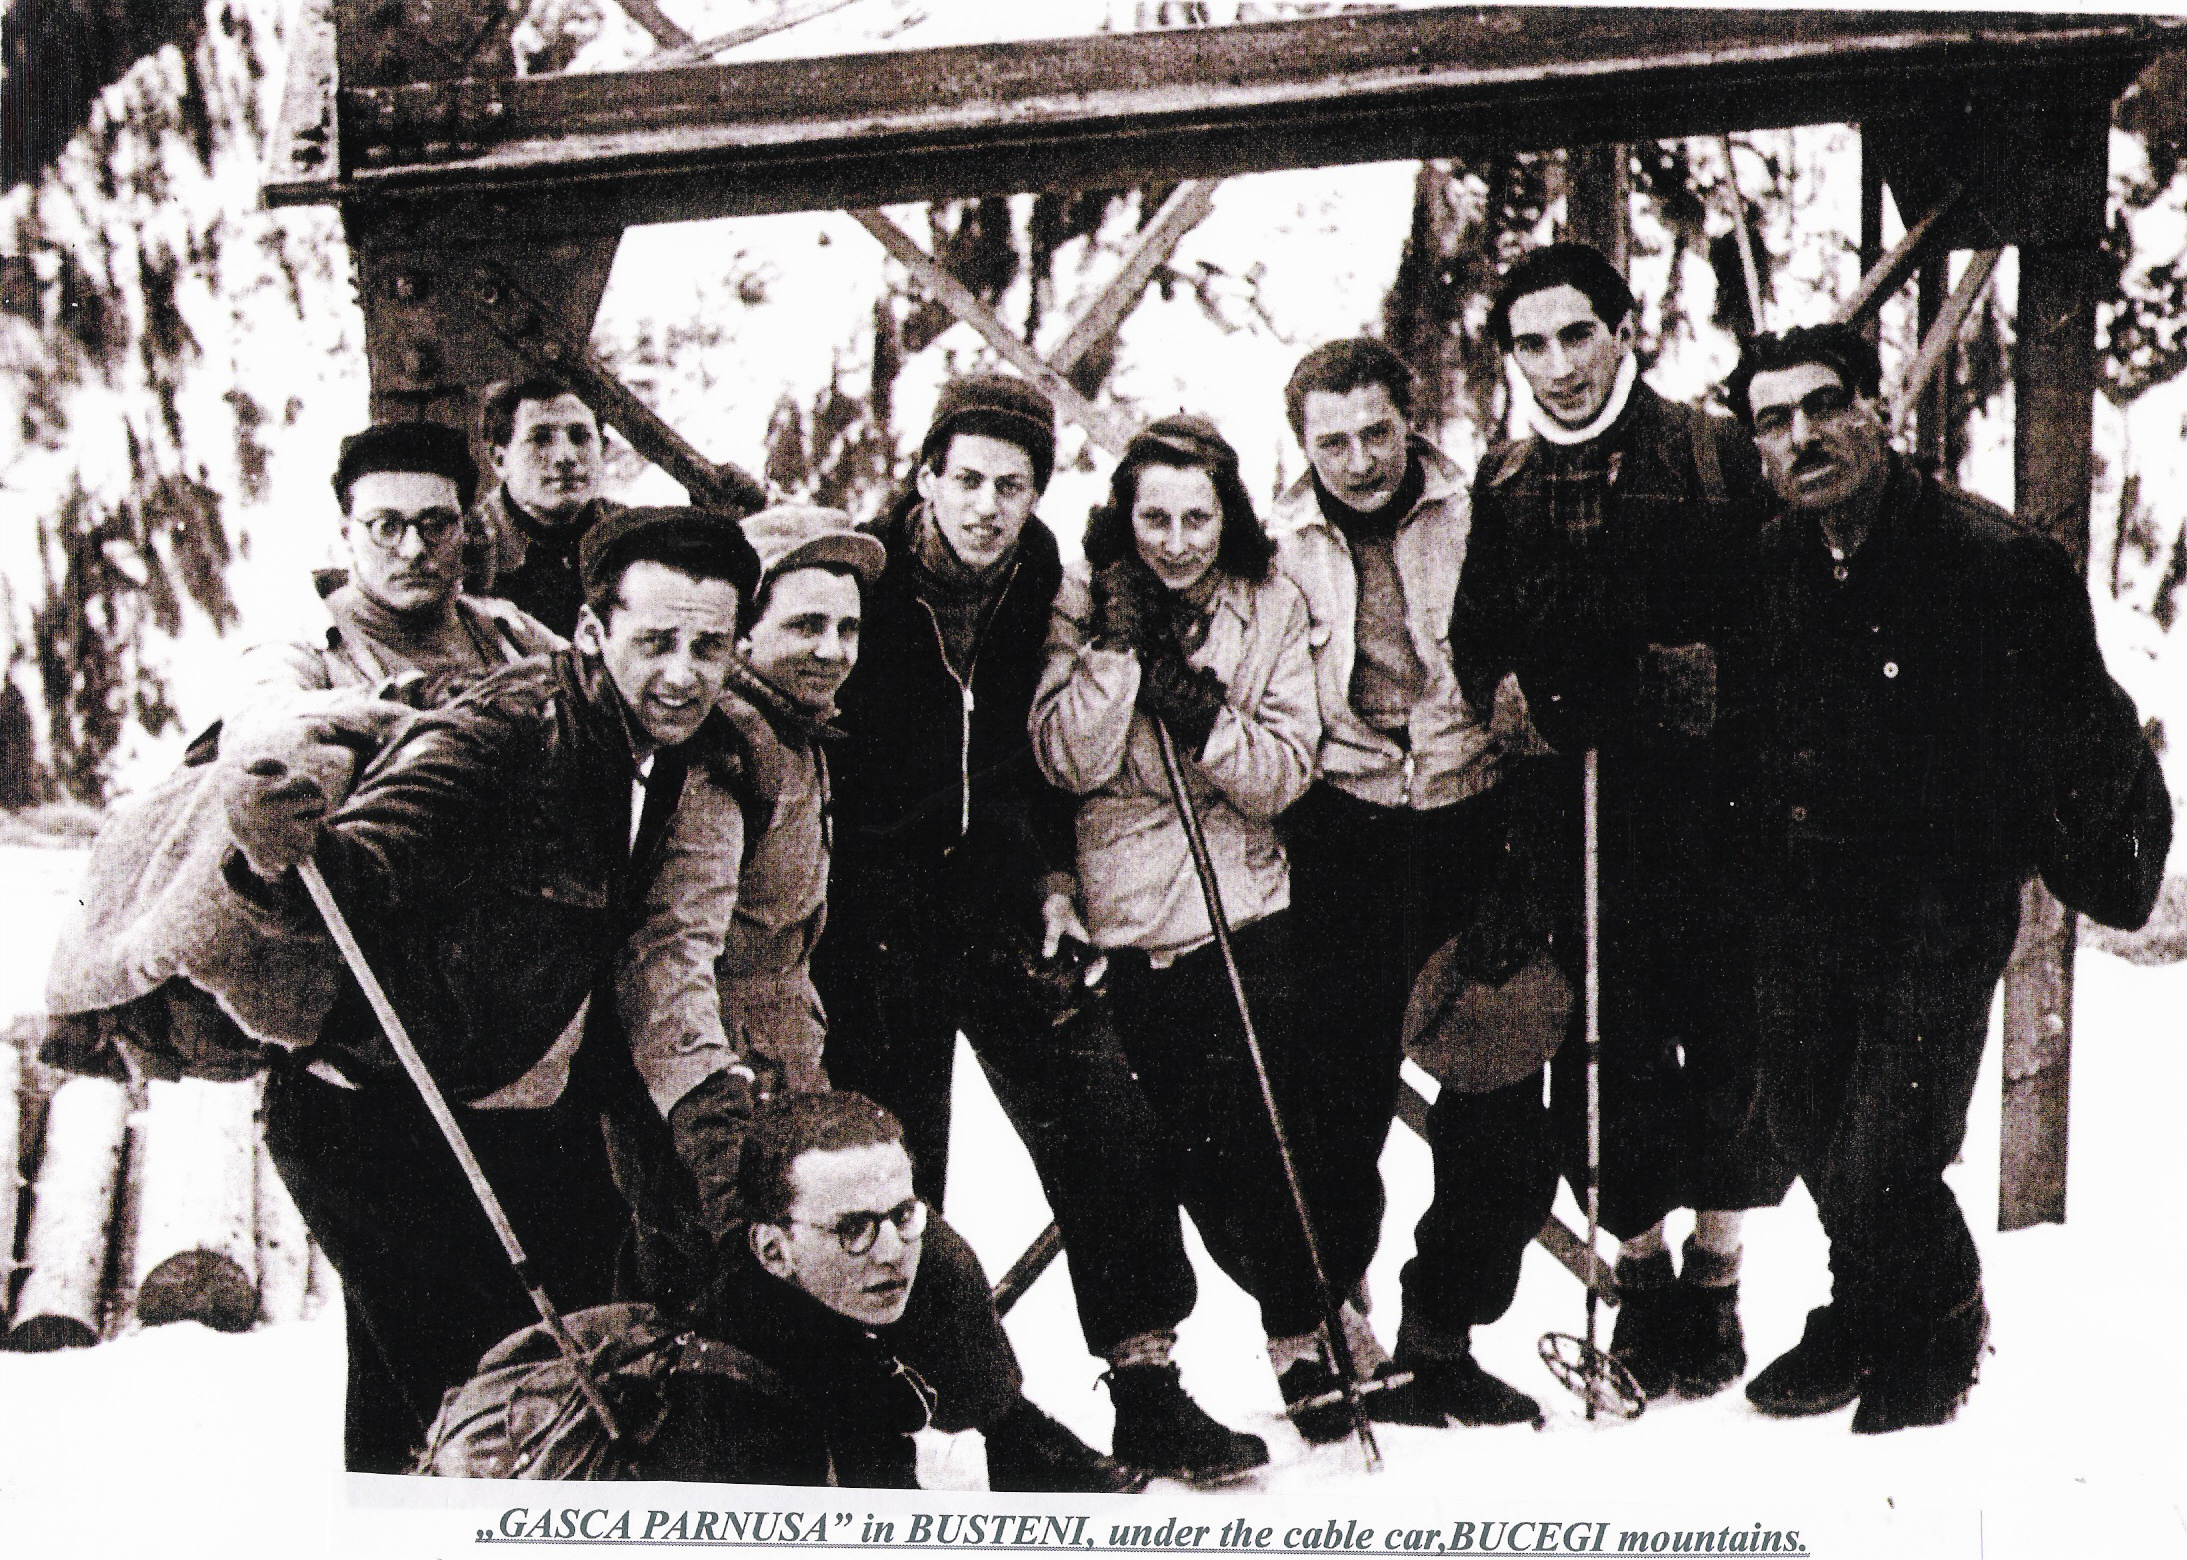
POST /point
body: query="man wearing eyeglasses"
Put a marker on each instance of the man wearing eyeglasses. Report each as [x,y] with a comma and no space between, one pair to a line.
[1934,724]
[810,1302]
[397,613]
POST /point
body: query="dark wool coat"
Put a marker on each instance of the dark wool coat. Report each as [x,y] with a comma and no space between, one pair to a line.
[1936,714]
[1583,556]
[834,1406]
[936,791]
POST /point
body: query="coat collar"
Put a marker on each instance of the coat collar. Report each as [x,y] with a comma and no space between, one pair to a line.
[780,711]
[1298,510]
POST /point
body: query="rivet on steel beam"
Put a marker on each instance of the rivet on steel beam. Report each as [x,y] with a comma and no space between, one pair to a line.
[2054,1022]
[378,152]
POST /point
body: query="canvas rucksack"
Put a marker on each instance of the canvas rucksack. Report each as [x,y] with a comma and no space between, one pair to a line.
[522,1416]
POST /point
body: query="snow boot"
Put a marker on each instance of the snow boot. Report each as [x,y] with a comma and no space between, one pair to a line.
[1650,1336]
[1822,1372]
[1028,1451]
[1161,1430]
[1308,1378]
[1462,1390]
[1922,1380]
[1715,1354]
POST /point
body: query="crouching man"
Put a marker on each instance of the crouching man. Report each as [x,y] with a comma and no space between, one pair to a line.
[815,1298]
[1936,723]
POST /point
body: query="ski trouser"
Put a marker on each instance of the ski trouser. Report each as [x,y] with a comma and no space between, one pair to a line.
[1374,892]
[896,999]
[426,1286]
[1179,1026]
[1495,1178]
[1874,1018]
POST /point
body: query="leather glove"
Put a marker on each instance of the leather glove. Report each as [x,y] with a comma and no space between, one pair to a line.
[1184,698]
[1678,689]
[1131,609]
[282,776]
[707,1127]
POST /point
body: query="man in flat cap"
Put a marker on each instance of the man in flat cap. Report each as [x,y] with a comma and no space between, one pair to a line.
[493,861]
[952,904]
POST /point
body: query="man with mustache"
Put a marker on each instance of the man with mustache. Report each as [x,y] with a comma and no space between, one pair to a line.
[201,992]
[1933,722]
[1604,572]
[546,450]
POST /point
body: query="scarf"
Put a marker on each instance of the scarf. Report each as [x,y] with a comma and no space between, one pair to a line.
[1549,429]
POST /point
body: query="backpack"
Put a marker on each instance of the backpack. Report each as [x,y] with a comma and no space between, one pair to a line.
[522,1416]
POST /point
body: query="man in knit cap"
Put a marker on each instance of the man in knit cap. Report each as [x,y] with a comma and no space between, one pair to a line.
[951,903]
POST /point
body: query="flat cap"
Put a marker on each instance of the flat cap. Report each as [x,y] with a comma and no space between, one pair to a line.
[695,538]
[407,446]
[799,536]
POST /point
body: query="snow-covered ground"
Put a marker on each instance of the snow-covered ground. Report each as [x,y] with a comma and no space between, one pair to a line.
[184,1442]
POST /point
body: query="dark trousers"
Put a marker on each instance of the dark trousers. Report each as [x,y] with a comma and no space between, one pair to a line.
[1681,1126]
[896,998]
[425,1283]
[1181,1030]
[1874,1019]
[1374,892]
[1495,1177]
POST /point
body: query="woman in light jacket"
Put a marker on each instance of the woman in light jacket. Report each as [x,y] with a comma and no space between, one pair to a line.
[1179,614]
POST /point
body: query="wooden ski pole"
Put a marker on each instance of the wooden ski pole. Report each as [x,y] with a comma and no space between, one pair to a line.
[1203,866]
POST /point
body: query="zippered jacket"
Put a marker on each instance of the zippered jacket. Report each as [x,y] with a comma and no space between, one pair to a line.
[936,791]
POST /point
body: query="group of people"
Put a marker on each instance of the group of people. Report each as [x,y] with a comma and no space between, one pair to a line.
[698,842]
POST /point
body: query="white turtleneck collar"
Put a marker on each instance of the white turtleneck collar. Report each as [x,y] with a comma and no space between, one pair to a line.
[1628,370]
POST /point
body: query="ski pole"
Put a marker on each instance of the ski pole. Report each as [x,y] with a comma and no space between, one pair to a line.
[1591,934]
[1600,1378]
[1203,866]
[436,1104]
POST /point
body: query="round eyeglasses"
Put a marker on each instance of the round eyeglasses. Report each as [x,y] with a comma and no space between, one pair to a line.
[856,1232]
[434,526]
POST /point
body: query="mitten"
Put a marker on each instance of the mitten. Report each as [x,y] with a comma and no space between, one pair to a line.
[1184,698]
[1130,610]
[707,1127]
